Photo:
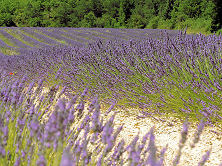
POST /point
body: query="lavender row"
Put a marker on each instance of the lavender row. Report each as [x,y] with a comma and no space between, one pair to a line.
[59,37]
[26,38]
[41,37]
[13,39]
[74,36]
[38,134]
[150,73]
[107,37]
[73,40]
[3,44]
[5,48]
[1,54]
[86,34]
[112,32]
[87,31]
[81,34]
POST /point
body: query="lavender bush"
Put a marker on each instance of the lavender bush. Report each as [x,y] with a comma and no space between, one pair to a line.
[42,38]
[55,36]
[40,134]
[59,38]
[17,42]
[174,76]
[72,35]
[27,39]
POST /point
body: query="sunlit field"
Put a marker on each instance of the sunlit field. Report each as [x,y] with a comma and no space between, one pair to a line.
[163,73]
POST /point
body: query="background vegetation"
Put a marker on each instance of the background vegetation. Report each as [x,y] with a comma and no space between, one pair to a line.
[197,15]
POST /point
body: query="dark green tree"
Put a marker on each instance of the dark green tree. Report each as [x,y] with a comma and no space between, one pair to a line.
[89,20]
[217,21]
[110,7]
[83,7]
[56,13]
[30,14]
[145,11]
[97,8]
[7,9]
[197,15]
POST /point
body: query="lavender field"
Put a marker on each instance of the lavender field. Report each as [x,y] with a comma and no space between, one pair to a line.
[161,72]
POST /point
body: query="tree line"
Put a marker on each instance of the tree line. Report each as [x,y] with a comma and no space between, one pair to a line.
[196,15]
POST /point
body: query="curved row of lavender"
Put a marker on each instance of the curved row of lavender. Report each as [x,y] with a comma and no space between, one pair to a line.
[28,138]
[174,76]
[29,38]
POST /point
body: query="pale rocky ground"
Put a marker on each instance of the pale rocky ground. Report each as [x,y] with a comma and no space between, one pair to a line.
[165,133]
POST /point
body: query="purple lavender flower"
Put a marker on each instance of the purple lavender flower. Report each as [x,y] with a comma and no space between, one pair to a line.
[17,162]
[2,151]
[182,142]
[198,133]
[41,161]
[205,157]
[67,159]
[152,148]
[14,40]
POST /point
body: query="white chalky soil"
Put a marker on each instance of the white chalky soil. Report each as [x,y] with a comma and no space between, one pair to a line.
[167,134]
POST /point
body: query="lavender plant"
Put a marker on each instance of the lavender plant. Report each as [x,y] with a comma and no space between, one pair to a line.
[174,76]
[29,138]
[59,38]
[5,42]
[73,35]
[13,39]
[40,37]
[26,39]
[80,34]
